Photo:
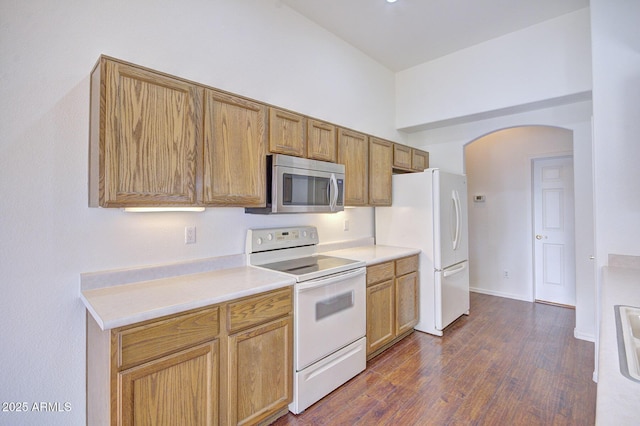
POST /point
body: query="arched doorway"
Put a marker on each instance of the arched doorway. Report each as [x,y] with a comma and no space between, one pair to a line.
[501,220]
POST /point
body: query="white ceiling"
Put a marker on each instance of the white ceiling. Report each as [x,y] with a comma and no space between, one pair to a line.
[409,32]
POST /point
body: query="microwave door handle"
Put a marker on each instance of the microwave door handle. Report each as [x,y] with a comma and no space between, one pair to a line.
[334,200]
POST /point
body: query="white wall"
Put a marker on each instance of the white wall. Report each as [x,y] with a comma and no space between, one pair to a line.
[446,151]
[256,48]
[547,61]
[616,109]
[616,126]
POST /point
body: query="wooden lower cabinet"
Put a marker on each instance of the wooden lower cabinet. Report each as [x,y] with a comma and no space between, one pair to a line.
[177,389]
[260,380]
[380,315]
[392,303]
[228,364]
[406,318]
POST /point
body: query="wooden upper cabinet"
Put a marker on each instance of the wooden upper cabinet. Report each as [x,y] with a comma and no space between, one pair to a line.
[419,160]
[287,133]
[321,141]
[145,133]
[401,157]
[380,170]
[407,159]
[353,152]
[235,146]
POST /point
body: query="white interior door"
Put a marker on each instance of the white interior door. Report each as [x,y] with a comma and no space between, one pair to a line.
[554,263]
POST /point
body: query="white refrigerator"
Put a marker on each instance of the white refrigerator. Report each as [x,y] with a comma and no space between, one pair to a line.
[429,212]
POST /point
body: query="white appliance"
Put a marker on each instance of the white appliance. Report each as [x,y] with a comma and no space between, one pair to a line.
[429,212]
[329,309]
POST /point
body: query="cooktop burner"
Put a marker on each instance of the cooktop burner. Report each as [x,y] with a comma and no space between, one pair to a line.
[306,265]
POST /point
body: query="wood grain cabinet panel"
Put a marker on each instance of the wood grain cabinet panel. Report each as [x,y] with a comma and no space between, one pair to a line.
[380,171]
[401,157]
[380,272]
[392,303]
[407,159]
[321,141]
[380,315]
[235,146]
[287,133]
[144,137]
[152,340]
[353,152]
[181,389]
[258,309]
[419,160]
[406,287]
[406,265]
[260,372]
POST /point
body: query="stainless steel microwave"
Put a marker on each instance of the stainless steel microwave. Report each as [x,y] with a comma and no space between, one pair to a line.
[300,185]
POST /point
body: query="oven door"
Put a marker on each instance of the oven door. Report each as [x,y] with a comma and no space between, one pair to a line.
[298,190]
[329,313]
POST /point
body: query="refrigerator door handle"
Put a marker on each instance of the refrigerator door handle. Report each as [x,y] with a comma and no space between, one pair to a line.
[454,270]
[456,208]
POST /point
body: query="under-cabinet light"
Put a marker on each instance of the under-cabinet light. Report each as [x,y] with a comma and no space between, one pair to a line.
[162,209]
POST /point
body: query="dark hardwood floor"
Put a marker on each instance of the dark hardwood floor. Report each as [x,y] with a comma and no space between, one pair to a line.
[508,363]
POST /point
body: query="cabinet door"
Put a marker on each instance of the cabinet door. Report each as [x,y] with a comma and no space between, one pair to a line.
[419,160]
[287,133]
[401,157]
[145,135]
[407,313]
[321,141]
[181,389]
[380,170]
[353,152]
[234,151]
[380,315]
[260,371]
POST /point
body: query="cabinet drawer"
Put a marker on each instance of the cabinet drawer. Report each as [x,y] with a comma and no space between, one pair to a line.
[255,310]
[158,338]
[380,272]
[406,265]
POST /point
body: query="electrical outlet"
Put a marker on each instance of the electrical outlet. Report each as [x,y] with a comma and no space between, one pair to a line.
[189,234]
[505,274]
[346,225]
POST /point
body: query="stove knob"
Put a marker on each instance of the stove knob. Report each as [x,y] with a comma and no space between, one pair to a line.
[269,237]
[259,241]
[313,235]
[304,234]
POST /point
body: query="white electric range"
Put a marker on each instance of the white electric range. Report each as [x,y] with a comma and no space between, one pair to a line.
[329,309]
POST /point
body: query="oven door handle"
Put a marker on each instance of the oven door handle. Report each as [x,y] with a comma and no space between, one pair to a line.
[319,282]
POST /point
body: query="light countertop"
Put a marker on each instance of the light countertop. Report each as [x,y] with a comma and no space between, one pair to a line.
[618,400]
[123,297]
[373,254]
[120,305]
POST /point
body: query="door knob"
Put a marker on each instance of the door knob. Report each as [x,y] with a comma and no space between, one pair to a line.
[539,237]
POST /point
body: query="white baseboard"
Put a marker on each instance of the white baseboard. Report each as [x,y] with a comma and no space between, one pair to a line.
[584,336]
[499,294]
